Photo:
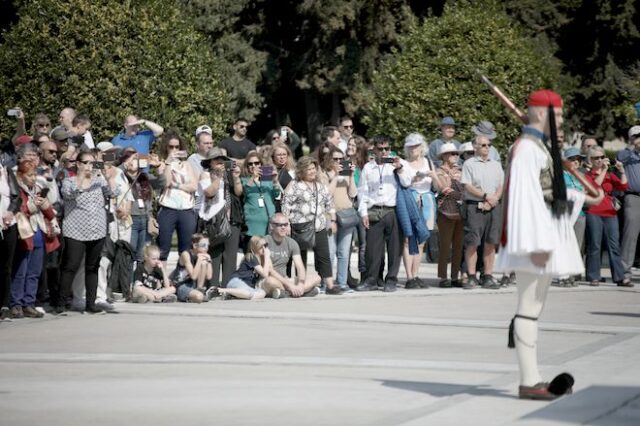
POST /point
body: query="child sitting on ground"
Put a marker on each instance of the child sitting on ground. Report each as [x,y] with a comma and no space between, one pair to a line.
[246,281]
[193,271]
[150,281]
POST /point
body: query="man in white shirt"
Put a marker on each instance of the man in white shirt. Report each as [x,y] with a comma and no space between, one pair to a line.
[377,197]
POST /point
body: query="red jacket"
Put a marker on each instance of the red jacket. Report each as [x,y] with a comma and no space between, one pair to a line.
[51,241]
[610,183]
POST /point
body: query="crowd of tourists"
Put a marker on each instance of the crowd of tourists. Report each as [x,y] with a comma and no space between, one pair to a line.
[85,223]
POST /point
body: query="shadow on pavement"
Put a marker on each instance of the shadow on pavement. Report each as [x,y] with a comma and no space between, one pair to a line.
[617,314]
[446,389]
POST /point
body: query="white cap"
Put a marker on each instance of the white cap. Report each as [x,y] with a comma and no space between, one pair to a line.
[466,147]
[105,146]
[204,129]
[414,139]
[634,132]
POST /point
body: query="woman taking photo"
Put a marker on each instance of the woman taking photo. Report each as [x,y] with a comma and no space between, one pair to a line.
[177,199]
[284,164]
[84,228]
[342,186]
[602,219]
[417,173]
[38,236]
[307,203]
[260,190]
[450,224]
[142,188]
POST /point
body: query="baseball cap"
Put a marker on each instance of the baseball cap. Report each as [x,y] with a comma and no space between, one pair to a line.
[204,129]
[634,132]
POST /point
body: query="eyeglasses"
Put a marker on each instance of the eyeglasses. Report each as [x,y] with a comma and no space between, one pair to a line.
[384,148]
[253,163]
[280,224]
[338,158]
[574,158]
[173,146]
[484,145]
[598,158]
[87,162]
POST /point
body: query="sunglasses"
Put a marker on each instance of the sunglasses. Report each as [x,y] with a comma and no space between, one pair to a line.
[598,158]
[280,225]
[384,148]
[86,162]
[484,145]
[253,163]
[173,146]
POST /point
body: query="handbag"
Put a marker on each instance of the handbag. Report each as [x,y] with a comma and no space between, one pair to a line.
[24,226]
[219,228]
[347,218]
[305,233]
[615,202]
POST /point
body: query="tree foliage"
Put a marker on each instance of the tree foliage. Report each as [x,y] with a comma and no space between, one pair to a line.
[431,74]
[109,59]
[598,43]
[233,27]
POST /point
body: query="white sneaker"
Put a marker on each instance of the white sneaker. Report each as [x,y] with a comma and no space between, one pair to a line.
[41,310]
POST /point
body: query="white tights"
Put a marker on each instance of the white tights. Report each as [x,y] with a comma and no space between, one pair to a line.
[532,293]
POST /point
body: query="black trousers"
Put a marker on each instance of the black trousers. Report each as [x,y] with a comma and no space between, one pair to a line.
[49,283]
[322,261]
[73,252]
[384,231]
[227,256]
[8,245]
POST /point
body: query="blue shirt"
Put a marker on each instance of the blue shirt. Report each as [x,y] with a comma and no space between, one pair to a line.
[631,160]
[572,183]
[141,141]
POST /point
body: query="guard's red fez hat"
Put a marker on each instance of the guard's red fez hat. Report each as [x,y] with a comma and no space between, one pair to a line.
[545,98]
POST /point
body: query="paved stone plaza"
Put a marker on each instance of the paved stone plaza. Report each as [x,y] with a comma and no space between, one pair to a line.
[414,357]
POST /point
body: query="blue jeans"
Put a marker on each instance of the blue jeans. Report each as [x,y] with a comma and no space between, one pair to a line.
[139,236]
[343,253]
[169,220]
[24,285]
[596,227]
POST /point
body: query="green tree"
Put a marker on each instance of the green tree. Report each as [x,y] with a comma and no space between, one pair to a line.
[599,44]
[432,73]
[109,59]
[233,27]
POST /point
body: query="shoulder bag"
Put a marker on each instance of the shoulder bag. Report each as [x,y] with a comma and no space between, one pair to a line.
[305,233]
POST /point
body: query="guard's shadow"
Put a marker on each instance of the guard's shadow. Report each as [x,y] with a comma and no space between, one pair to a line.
[446,389]
[617,314]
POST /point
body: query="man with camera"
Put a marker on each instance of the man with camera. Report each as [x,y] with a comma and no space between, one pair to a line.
[133,137]
[377,194]
[630,159]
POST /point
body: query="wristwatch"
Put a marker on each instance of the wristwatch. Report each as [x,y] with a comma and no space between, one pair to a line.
[484,197]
